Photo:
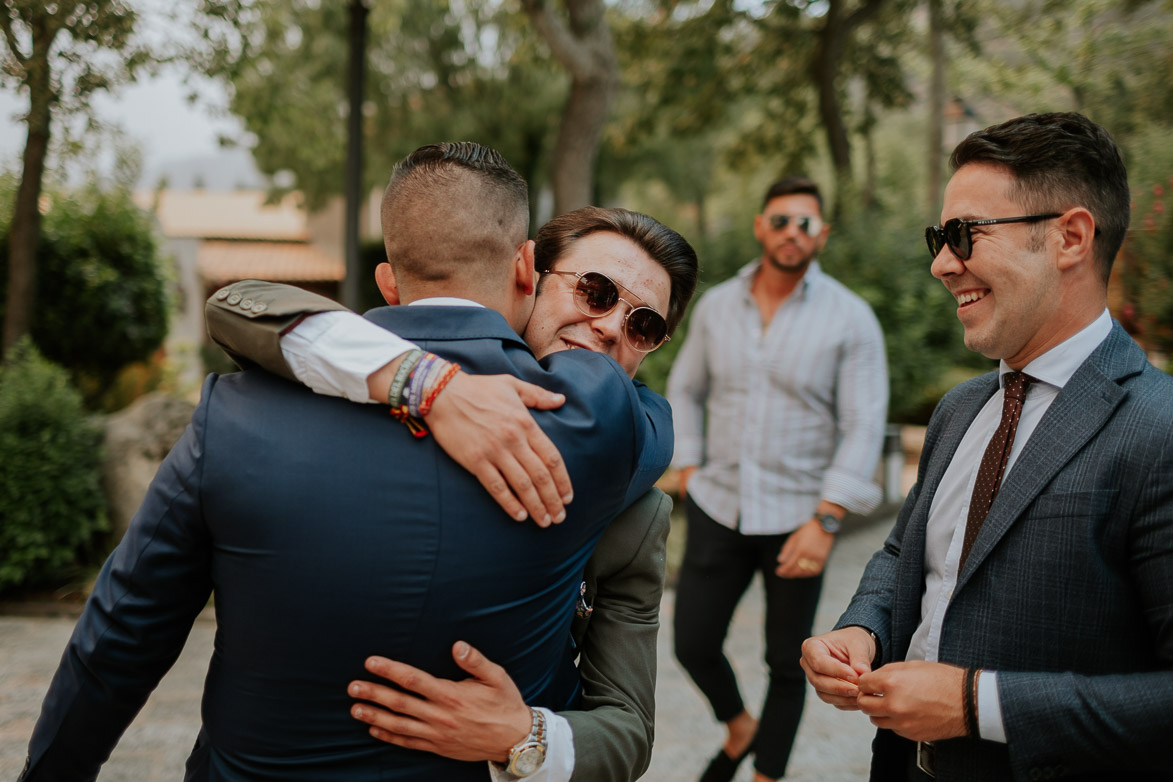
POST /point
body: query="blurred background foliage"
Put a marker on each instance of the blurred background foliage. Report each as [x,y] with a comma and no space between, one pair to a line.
[684,109]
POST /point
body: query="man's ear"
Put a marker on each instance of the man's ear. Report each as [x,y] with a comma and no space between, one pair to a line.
[385,279]
[1077,232]
[525,275]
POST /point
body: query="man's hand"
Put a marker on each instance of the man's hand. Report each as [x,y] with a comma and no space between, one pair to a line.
[684,474]
[479,718]
[805,552]
[920,701]
[834,663]
[483,423]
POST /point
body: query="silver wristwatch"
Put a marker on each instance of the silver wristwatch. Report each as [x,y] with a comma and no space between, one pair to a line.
[829,523]
[527,756]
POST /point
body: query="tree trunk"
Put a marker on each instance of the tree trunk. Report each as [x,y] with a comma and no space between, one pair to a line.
[357,38]
[826,69]
[25,234]
[936,109]
[582,43]
[579,138]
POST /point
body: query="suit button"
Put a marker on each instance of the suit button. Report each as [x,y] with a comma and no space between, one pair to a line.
[234,299]
[246,304]
[260,307]
[222,294]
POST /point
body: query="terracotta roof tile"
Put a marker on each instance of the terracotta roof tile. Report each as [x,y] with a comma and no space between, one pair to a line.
[236,214]
[221,262]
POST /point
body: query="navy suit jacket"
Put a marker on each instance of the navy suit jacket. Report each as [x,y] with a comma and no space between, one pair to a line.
[327,534]
[1068,590]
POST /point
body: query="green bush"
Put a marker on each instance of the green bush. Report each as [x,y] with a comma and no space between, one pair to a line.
[51,502]
[884,260]
[101,299]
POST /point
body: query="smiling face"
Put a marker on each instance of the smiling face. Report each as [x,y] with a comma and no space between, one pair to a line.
[1009,292]
[557,324]
[788,249]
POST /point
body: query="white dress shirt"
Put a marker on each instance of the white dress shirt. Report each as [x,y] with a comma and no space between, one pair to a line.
[333,353]
[776,418]
[947,515]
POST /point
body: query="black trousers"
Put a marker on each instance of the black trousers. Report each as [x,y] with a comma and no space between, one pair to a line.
[719,564]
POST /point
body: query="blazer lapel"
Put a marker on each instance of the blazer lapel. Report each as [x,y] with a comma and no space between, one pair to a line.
[1080,410]
[910,583]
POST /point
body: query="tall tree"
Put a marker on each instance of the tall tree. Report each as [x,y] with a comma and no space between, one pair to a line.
[58,54]
[581,41]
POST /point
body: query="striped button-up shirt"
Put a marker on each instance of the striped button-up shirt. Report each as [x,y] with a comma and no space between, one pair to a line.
[778,417]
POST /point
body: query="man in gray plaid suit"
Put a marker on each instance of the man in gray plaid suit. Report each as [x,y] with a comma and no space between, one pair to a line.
[1018,622]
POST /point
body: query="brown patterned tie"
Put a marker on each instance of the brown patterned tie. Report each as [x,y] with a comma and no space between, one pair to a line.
[993,466]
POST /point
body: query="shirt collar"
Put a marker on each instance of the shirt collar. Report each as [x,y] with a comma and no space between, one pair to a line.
[813,274]
[446,301]
[1058,364]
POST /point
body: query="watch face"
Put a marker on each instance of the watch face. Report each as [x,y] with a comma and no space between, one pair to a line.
[528,760]
[830,524]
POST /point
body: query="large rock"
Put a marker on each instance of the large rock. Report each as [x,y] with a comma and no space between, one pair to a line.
[137,439]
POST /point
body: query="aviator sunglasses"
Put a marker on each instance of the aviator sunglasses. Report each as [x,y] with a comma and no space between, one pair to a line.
[808,225]
[956,234]
[596,295]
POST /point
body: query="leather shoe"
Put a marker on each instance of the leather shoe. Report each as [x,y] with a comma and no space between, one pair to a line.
[722,768]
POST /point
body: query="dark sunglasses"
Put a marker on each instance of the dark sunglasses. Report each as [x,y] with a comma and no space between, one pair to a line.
[808,225]
[596,295]
[955,233]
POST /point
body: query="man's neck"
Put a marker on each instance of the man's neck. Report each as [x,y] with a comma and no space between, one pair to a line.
[771,286]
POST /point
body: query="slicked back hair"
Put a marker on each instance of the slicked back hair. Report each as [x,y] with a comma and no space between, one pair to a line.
[455,210]
[1059,161]
[665,246]
[794,185]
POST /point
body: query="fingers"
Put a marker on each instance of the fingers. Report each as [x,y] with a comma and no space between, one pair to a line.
[537,397]
[476,664]
[406,676]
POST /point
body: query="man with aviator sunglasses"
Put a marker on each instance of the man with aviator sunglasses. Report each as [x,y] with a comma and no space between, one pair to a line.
[778,396]
[1018,622]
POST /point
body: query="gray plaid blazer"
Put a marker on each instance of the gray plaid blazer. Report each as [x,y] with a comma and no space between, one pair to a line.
[1068,591]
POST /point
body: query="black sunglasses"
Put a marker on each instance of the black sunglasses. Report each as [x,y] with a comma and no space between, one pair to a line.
[956,234]
[808,225]
[596,295]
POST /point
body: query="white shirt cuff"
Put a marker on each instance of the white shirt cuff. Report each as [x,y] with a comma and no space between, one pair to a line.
[559,764]
[333,353]
[989,708]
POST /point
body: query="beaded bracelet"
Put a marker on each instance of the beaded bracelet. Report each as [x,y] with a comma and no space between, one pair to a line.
[414,393]
[410,359]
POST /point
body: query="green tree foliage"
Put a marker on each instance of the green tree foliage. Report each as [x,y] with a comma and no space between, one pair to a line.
[58,54]
[102,301]
[1146,261]
[51,502]
[436,71]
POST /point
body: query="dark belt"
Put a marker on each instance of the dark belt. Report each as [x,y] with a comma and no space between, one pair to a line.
[926,758]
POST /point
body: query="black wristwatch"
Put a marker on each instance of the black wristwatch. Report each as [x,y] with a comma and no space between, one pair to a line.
[829,523]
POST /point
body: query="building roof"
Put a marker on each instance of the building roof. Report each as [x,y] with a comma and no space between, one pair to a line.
[235,214]
[226,261]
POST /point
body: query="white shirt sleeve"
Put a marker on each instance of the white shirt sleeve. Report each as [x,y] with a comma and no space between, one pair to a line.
[333,353]
[989,708]
[559,763]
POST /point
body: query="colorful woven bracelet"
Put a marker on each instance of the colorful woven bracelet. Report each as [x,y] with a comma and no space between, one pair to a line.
[410,359]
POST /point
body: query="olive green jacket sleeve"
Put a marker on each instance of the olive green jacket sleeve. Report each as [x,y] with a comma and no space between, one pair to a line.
[614,731]
[247,319]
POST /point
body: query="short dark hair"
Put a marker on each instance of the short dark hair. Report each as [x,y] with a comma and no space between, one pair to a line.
[455,208]
[1059,161]
[794,185]
[665,246]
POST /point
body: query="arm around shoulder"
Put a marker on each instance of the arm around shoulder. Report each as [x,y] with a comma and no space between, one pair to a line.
[247,319]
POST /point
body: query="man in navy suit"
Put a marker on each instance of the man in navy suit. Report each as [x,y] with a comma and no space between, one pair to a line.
[326,529]
[1032,640]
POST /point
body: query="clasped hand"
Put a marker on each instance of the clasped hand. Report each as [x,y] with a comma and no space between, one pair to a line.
[918,700]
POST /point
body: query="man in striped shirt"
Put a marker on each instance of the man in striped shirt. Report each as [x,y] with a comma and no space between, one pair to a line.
[779,396]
